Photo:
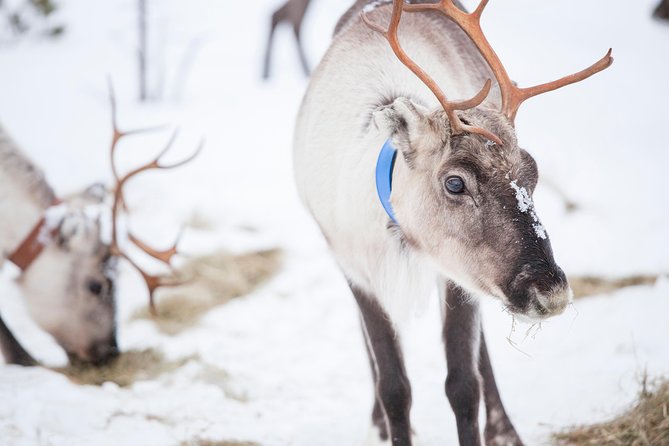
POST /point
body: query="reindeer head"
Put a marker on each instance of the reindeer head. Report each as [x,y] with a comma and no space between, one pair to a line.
[69,279]
[69,287]
[462,187]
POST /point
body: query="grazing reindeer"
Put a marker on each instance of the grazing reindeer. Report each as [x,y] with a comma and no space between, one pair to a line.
[292,11]
[67,272]
[455,193]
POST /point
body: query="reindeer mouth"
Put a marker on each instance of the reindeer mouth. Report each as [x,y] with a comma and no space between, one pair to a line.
[540,306]
[97,355]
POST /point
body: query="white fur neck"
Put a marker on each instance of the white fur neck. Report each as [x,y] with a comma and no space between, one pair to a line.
[24,195]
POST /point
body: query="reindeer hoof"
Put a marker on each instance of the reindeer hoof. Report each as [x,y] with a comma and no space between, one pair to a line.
[374,438]
[504,437]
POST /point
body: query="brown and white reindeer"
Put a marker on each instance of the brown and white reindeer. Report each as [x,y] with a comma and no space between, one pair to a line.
[67,269]
[67,273]
[447,200]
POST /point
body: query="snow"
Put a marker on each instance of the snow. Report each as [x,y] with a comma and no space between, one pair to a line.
[525,205]
[524,199]
[296,371]
[373,5]
[52,218]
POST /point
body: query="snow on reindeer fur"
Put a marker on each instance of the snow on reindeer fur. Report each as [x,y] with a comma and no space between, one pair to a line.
[525,204]
[373,5]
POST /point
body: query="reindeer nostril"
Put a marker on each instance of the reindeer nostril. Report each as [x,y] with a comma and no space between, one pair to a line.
[540,308]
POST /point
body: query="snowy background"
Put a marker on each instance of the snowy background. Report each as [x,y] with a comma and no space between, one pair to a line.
[297,372]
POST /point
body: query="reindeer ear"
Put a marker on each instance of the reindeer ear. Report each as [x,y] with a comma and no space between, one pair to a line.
[77,233]
[407,123]
[95,193]
[402,116]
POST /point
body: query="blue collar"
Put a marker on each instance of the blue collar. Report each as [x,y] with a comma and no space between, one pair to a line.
[384,176]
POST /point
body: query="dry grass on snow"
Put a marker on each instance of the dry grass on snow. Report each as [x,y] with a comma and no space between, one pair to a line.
[128,367]
[217,443]
[645,424]
[584,286]
[210,281]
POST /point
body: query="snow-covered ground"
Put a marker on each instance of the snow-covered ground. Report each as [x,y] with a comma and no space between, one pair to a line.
[297,370]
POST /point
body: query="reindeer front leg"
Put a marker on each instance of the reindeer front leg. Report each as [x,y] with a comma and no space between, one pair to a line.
[13,352]
[393,391]
[499,430]
[469,368]
[461,332]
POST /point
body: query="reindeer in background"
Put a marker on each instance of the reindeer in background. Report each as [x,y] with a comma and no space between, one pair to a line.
[67,271]
[293,12]
[412,189]
[662,10]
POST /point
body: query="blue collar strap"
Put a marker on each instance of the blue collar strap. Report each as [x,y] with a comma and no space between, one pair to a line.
[384,176]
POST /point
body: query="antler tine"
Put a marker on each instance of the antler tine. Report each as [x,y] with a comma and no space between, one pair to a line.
[118,134]
[520,95]
[391,35]
[512,96]
[164,256]
[152,282]
[155,163]
[151,165]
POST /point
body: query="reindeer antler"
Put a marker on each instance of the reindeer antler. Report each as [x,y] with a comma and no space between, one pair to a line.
[512,96]
[165,256]
[457,126]
[118,134]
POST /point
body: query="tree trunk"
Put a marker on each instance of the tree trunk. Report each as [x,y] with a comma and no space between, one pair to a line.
[142,48]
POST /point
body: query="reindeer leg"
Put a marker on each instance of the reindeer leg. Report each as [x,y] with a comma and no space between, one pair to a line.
[13,352]
[499,430]
[393,390]
[277,17]
[378,416]
[662,10]
[300,49]
[462,329]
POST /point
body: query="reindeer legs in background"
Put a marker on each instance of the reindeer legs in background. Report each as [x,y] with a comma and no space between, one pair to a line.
[292,12]
[13,352]
[466,354]
[662,10]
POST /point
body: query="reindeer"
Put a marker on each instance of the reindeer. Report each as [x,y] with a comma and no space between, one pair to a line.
[411,189]
[67,270]
[292,11]
[662,10]
[67,273]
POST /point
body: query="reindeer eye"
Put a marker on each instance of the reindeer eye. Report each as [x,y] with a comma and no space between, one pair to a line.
[94,286]
[455,185]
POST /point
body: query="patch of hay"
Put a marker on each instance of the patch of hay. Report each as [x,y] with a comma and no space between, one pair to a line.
[200,221]
[209,281]
[584,286]
[217,443]
[645,424]
[128,367]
